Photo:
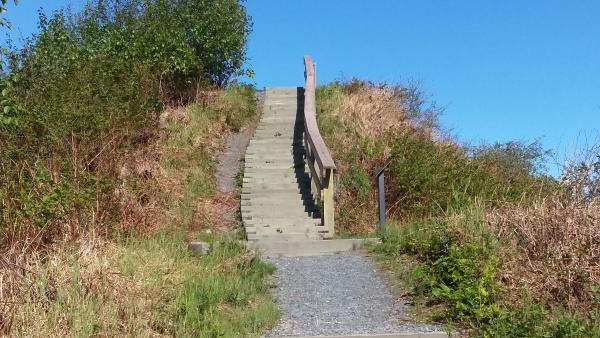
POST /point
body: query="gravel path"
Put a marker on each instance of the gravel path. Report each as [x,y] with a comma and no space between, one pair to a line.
[336,295]
[229,160]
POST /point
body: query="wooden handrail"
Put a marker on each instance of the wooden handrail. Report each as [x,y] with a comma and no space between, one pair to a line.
[322,154]
[318,157]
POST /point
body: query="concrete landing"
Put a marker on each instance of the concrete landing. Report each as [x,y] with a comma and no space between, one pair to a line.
[281,248]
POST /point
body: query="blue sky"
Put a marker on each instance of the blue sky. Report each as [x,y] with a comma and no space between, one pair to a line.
[503,69]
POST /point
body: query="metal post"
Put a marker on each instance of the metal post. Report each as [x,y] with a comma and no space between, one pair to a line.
[381,198]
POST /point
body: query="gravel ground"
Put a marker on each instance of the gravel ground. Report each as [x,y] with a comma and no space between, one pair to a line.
[337,295]
[229,160]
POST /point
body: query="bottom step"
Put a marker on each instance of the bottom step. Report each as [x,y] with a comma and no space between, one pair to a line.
[316,247]
[384,335]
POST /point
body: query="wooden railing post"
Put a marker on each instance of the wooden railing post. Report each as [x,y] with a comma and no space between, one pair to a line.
[328,203]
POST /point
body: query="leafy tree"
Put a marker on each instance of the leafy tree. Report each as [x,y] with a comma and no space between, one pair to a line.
[3,4]
[97,78]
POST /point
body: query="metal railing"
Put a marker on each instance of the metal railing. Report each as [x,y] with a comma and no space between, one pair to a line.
[318,157]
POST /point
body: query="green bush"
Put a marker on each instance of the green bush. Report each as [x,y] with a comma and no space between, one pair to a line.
[434,177]
[455,260]
[458,261]
[88,88]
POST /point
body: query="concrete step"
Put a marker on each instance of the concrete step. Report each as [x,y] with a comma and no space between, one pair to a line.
[290,118]
[281,90]
[266,173]
[283,237]
[297,225]
[282,204]
[279,127]
[380,335]
[279,110]
[275,135]
[275,140]
[304,198]
[275,190]
[276,173]
[273,221]
[281,166]
[254,212]
[289,159]
[265,139]
[265,152]
[272,199]
[260,141]
[277,180]
[276,248]
[250,188]
[266,210]
[273,159]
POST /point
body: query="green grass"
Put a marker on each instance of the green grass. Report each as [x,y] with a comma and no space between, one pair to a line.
[451,266]
[150,285]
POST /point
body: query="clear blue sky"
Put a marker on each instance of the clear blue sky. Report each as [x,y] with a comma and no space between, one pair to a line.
[503,69]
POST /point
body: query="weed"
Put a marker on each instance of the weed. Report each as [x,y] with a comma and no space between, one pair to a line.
[239,177]
[145,286]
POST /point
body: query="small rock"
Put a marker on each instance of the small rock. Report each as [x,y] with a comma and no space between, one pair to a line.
[199,248]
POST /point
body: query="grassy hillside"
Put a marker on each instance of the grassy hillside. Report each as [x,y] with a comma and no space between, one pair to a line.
[110,121]
[485,240]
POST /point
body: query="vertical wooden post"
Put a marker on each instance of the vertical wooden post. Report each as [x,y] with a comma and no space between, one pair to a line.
[328,203]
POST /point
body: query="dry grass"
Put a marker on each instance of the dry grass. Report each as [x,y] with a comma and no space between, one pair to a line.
[358,120]
[373,110]
[552,249]
[66,279]
[137,288]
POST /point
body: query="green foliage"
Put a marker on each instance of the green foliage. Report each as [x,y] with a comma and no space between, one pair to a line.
[3,4]
[434,177]
[88,88]
[148,286]
[9,108]
[211,306]
[183,156]
[238,105]
[455,261]
[514,158]
[458,262]
[527,320]
[357,182]
[239,177]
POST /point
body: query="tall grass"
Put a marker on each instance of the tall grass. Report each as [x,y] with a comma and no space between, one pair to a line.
[368,125]
[481,237]
[86,92]
[145,287]
[142,281]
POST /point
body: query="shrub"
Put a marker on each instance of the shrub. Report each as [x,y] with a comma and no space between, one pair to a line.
[86,92]
[358,120]
[431,177]
[366,125]
[457,259]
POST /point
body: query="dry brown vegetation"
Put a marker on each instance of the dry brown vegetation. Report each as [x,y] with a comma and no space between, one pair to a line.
[503,249]
[356,122]
[556,249]
[80,277]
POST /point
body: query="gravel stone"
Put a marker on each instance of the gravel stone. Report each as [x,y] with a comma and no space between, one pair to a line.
[337,295]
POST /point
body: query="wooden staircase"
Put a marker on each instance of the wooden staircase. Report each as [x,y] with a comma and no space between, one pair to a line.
[277,203]
[287,193]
